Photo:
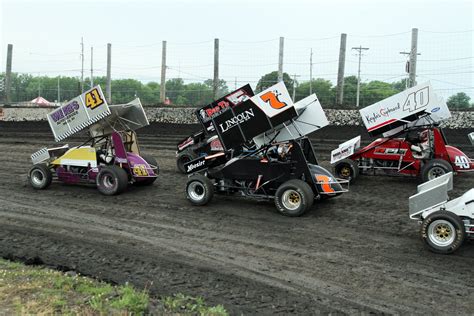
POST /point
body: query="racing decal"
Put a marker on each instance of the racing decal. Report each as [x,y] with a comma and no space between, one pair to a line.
[140,170]
[325,183]
[195,165]
[206,113]
[93,99]
[390,151]
[462,162]
[274,100]
[417,100]
[216,145]
[233,121]
[271,98]
[78,114]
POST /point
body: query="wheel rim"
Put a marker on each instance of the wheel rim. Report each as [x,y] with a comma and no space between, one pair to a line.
[196,191]
[37,177]
[291,200]
[441,233]
[345,171]
[108,181]
[435,172]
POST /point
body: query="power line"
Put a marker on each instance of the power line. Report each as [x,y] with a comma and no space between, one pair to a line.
[359,49]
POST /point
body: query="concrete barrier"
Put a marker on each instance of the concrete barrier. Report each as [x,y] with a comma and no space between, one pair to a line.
[185,115]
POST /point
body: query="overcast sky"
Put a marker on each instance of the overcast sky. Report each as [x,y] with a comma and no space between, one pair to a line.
[46,36]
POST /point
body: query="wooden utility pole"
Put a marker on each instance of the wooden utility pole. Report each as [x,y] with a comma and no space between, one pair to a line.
[413,55]
[216,69]
[92,66]
[163,73]
[359,49]
[82,64]
[8,75]
[340,71]
[280,59]
[108,87]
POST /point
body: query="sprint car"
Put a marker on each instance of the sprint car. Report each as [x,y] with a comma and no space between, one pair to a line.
[413,143]
[445,223]
[283,167]
[110,158]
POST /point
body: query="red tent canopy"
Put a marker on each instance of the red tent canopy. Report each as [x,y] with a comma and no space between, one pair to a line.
[40,101]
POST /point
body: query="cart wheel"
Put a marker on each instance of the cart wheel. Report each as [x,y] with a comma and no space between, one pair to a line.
[435,168]
[294,197]
[443,232]
[199,189]
[154,164]
[346,169]
[183,158]
[112,180]
[40,176]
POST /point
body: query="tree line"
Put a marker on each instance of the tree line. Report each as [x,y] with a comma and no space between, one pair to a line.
[26,87]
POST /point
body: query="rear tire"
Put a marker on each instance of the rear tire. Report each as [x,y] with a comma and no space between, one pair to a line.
[112,180]
[183,158]
[435,168]
[346,169]
[40,176]
[199,189]
[154,164]
[293,198]
[443,232]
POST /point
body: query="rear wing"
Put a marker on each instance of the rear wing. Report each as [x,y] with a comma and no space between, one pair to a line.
[206,113]
[418,105]
[259,114]
[430,194]
[78,114]
[471,138]
[123,117]
[310,118]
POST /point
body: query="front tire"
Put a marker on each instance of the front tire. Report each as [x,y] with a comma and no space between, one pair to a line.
[434,169]
[199,190]
[183,158]
[346,169]
[40,176]
[293,198]
[443,232]
[112,180]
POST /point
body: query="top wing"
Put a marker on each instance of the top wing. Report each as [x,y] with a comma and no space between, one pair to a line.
[259,114]
[416,106]
[78,114]
[130,116]
[310,117]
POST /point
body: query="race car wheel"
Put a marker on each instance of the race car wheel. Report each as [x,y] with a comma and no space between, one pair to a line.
[294,198]
[443,232]
[183,158]
[154,164]
[346,169]
[199,190]
[40,176]
[434,169]
[112,180]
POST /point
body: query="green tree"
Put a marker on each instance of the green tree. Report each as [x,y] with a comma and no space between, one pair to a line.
[323,89]
[459,100]
[271,78]
[375,91]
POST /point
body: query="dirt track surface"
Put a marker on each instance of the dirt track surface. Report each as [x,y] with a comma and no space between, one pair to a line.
[358,253]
